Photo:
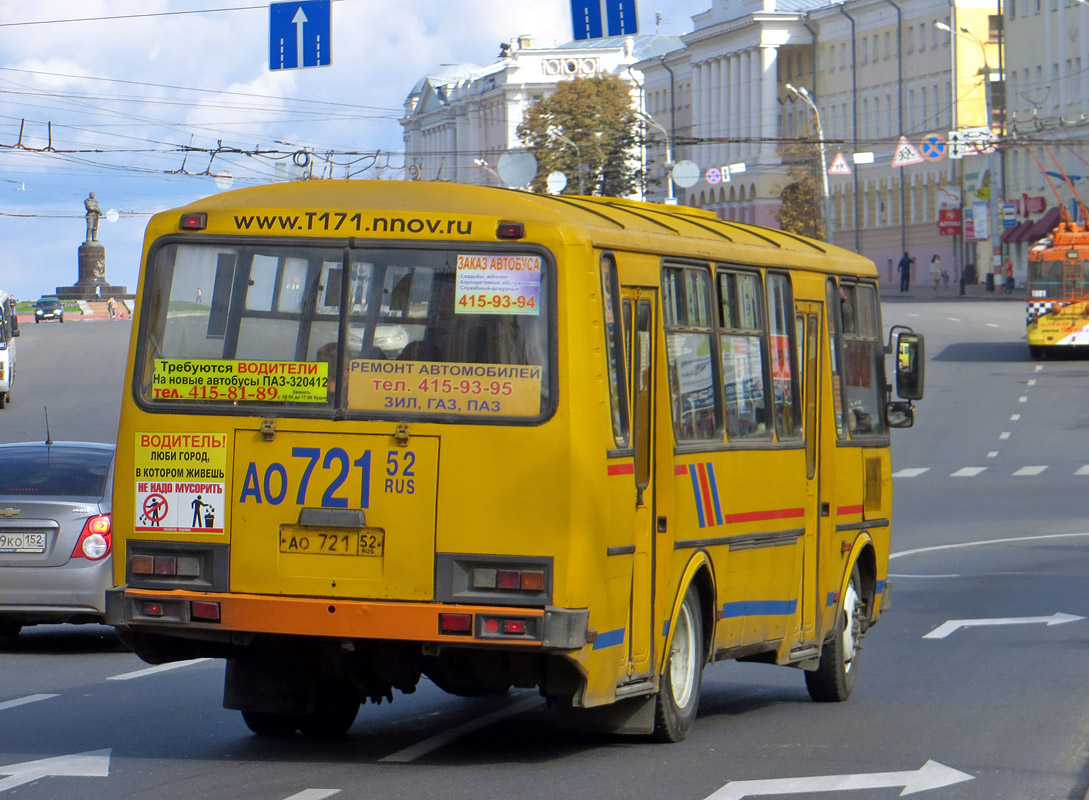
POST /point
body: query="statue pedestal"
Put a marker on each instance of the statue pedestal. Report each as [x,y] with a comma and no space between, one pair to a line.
[91,284]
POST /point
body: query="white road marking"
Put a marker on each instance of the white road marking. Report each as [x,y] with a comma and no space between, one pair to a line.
[1004,435]
[444,738]
[313,794]
[1032,382]
[152,670]
[92,764]
[991,325]
[1083,470]
[1014,417]
[953,319]
[1022,399]
[22,701]
[899,575]
[968,472]
[1029,471]
[1039,367]
[930,775]
[910,472]
[992,454]
[951,626]
[959,545]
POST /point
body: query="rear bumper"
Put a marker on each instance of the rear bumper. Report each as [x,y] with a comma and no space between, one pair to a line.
[55,594]
[551,628]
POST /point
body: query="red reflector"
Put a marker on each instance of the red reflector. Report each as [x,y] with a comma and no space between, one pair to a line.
[193,222]
[491,626]
[515,627]
[149,608]
[510,230]
[455,623]
[142,565]
[166,565]
[202,609]
[508,579]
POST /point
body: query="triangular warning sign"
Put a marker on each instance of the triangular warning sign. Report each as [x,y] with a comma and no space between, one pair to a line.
[906,154]
[839,166]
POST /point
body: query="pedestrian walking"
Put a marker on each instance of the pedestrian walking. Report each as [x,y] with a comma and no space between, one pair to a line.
[904,268]
[936,270]
[111,306]
[1008,288]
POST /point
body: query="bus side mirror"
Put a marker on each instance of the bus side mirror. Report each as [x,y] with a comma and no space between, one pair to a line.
[910,353]
[899,414]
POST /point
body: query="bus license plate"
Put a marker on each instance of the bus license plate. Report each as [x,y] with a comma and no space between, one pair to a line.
[333,542]
[22,542]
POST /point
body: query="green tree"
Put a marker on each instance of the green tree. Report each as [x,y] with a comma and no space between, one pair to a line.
[800,200]
[596,114]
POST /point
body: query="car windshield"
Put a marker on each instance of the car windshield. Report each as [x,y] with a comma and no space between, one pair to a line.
[48,303]
[62,471]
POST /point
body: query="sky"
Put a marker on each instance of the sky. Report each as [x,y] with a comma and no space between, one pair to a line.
[152,104]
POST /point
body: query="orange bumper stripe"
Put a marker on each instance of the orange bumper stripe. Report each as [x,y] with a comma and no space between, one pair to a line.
[354,619]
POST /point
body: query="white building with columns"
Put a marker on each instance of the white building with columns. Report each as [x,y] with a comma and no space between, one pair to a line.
[460,118]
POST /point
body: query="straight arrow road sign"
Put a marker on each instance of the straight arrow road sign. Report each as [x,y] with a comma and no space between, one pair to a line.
[92,764]
[952,625]
[930,775]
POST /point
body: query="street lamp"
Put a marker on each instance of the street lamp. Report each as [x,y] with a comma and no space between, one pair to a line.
[554,132]
[649,120]
[807,98]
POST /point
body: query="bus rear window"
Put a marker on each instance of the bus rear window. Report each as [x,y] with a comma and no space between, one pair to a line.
[427,332]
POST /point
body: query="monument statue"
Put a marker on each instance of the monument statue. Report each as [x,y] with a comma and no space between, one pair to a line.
[94,211]
[92,283]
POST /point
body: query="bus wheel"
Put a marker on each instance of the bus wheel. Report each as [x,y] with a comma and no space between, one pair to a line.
[267,723]
[334,714]
[834,678]
[679,689]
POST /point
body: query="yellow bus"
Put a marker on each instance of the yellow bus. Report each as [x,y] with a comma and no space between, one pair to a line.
[383,430]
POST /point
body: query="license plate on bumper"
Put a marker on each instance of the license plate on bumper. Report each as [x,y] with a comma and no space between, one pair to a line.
[331,542]
[22,542]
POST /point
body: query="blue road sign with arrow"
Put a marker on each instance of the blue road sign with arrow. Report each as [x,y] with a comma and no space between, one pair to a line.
[300,34]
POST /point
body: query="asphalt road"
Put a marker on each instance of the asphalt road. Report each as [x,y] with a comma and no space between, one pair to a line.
[964,671]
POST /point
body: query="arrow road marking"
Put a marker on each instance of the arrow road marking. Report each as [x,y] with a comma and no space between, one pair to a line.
[92,764]
[930,775]
[952,625]
[22,701]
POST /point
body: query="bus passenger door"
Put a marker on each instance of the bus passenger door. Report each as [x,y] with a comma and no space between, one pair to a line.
[642,303]
[808,321]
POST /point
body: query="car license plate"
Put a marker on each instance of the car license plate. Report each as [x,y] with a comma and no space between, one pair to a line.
[22,542]
[330,542]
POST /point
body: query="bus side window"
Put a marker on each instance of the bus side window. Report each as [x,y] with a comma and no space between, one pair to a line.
[742,355]
[863,358]
[686,304]
[784,368]
[835,328]
[614,346]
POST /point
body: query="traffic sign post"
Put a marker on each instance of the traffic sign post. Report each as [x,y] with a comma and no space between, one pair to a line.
[932,147]
[300,34]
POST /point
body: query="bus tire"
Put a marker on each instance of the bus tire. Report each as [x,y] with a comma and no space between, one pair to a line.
[10,629]
[267,723]
[679,690]
[333,715]
[834,678]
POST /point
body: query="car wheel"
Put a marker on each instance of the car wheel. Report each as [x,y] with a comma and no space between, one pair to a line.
[62,319]
[3,399]
[10,628]
[36,320]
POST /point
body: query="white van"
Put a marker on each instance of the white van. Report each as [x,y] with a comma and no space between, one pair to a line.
[9,330]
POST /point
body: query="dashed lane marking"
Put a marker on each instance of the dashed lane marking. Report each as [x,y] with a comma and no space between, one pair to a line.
[140,673]
[910,472]
[968,472]
[1030,471]
[446,737]
[22,701]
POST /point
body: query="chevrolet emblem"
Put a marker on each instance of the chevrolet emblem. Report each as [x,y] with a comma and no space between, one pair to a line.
[10,512]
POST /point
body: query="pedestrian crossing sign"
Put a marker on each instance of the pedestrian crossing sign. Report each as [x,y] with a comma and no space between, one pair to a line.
[906,154]
[839,166]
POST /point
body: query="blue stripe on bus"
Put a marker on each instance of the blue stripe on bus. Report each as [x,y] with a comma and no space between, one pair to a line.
[880,587]
[699,494]
[609,639]
[759,608]
[665,628]
[714,492]
[832,597]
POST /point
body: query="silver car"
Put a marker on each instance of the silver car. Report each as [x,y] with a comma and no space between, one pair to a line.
[55,533]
